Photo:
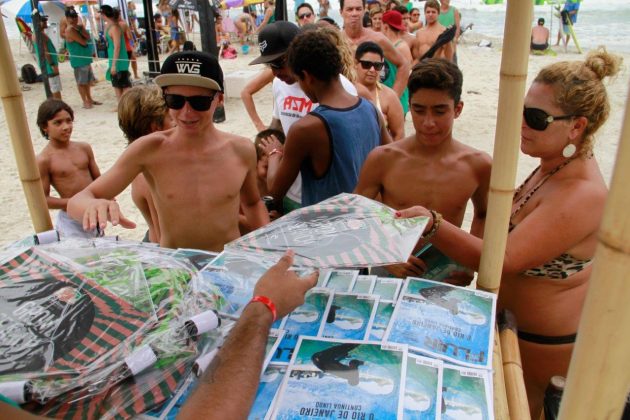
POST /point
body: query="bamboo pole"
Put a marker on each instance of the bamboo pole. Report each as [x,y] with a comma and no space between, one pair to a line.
[512,367]
[21,138]
[501,410]
[517,35]
[599,374]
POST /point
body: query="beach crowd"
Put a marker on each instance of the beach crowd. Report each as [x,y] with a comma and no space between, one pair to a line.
[341,95]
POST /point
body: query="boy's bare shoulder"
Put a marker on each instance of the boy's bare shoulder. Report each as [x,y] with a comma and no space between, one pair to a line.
[476,158]
[241,145]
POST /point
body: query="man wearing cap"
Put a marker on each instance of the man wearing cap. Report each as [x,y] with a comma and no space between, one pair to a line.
[393,29]
[329,145]
[80,48]
[198,175]
[51,63]
[290,102]
[352,13]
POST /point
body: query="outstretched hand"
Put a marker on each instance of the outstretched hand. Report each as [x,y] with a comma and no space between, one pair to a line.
[285,289]
[268,144]
[101,211]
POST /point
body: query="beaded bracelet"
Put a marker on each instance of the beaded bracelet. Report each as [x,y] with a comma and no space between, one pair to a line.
[268,303]
[437,220]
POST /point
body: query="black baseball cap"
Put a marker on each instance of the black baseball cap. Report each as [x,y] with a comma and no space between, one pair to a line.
[71,13]
[191,68]
[274,40]
[107,10]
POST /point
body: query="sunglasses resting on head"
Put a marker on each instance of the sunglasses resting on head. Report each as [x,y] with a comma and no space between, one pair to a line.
[539,120]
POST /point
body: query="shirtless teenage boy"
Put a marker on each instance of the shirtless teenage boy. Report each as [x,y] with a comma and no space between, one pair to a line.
[197,174]
[67,165]
[428,34]
[430,166]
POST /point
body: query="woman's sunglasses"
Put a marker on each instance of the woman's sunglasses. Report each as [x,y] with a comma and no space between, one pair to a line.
[198,102]
[305,15]
[539,120]
[365,65]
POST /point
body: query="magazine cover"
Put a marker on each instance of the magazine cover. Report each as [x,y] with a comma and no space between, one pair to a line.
[304,320]
[383,315]
[273,341]
[267,389]
[341,280]
[439,266]
[350,316]
[346,230]
[343,379]
[423,388]
[449,322]
[466,393]
[364,285]
[387,288]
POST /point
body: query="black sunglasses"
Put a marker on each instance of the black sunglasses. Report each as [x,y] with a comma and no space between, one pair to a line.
[305,15]
[365,64]
[197,102]
[278,64]
[539,120]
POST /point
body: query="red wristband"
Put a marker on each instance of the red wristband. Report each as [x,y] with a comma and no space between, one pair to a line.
[268,303]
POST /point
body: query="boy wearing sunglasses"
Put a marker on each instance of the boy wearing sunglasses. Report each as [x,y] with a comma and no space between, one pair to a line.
[429,167]
[197,174]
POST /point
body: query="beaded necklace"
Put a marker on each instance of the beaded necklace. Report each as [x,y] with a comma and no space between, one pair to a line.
[525,198]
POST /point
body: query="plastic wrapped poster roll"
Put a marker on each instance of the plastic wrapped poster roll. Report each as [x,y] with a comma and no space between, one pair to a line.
[202,362]
[203,323]
[141,359]
[48,237]
[14,390]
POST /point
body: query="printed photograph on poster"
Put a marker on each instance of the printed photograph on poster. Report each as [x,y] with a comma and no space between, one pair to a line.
[330,378]
[364,285]
[382,317]
[467,393]
[387,288]
[341,280]
[349,316]
[449,322]
[267,389]
[423,388]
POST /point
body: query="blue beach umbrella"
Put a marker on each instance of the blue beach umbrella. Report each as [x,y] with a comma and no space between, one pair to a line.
[23,9]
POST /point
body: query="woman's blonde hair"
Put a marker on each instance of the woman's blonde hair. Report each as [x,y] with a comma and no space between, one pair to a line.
[140,111]
[579,89]
[347,57]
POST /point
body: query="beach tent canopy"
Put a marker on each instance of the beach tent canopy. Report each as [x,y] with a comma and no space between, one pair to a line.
[23,9]
[183,4]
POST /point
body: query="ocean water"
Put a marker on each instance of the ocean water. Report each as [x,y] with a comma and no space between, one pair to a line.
[599,22]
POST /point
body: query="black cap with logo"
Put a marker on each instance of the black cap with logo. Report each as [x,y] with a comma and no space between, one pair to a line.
[274,40]
[191,68]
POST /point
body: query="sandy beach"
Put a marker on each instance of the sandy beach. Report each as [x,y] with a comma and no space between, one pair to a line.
[99,126]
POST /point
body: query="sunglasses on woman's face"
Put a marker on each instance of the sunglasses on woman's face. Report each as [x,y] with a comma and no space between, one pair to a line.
[366,65]
[539,120]
[197,102]
[305,15]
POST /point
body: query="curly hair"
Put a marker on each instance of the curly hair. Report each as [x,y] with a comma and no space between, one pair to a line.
[578,89]
[345,51]
[141,109]
[315,53]
[47,111]
[439,74]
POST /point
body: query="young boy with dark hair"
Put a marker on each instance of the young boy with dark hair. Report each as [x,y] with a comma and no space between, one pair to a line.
[198,175]
[430,168]
[68,166]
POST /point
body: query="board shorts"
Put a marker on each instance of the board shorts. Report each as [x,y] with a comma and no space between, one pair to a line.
[121,79]
[84,75]
[55,83]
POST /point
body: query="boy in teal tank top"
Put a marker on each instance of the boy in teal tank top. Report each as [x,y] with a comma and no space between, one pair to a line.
[80,48]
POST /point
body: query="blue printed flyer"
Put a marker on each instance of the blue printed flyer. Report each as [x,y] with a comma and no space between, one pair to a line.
[448,322]
[423,388]
[344,379]
[349,316]
[467,393]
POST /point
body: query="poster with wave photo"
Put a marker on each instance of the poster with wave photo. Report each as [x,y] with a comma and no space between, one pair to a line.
[343,379]
[466,393]
[349,316]
[423,388]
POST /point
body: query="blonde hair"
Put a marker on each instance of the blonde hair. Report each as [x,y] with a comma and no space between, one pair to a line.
[141,109]
[578,89]
[345,52]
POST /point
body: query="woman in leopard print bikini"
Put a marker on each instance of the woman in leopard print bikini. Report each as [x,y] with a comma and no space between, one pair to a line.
[555,217]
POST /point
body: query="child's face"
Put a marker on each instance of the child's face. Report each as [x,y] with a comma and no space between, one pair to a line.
[261,167]
[59,128]
[433,113]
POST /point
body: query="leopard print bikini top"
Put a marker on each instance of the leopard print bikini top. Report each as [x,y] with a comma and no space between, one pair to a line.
[562,266]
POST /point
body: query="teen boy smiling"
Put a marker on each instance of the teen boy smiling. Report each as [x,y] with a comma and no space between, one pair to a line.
[197,174]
